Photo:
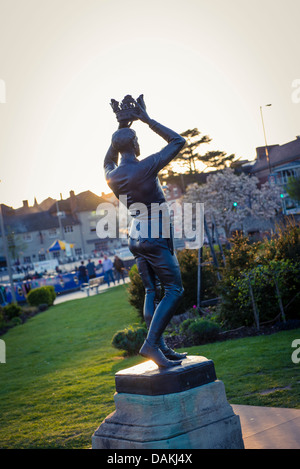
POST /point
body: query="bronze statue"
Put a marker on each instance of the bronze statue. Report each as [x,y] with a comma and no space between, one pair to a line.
[155,257]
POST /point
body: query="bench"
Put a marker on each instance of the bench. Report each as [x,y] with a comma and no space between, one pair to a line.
[94,284]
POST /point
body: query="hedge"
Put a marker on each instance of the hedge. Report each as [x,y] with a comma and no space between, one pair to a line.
[41,295]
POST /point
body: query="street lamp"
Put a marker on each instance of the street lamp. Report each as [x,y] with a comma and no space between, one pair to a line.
[5,248]
[267,152]
[6,255]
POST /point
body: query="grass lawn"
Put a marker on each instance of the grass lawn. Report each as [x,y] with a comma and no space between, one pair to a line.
[58,381]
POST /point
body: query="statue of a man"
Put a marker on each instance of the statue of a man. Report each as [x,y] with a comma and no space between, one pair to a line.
[138,181]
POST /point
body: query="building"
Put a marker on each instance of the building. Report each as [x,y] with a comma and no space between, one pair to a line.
[31,230]
[279,156]
[284,162]
[172,192]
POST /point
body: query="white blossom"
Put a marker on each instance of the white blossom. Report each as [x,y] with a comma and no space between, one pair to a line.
[230,198]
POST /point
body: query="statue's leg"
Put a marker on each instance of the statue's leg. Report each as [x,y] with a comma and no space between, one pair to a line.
[148,279]
[166,266]
[167,351]
[149,349]
[153,291]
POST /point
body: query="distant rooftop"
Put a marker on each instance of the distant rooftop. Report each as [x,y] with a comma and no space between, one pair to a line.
[43,216]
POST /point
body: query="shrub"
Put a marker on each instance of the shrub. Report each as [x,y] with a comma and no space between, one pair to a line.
[136,290]
[29,311]
[12,310]
[273,285]
[41,295]
[130,340]
[284,245]
[200,330]
[188,261]
[16,321]
[183,328]
[2,320]
[241,256]
[52,293]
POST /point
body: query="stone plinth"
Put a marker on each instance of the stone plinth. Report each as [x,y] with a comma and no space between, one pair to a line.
[184,407]
[148,379]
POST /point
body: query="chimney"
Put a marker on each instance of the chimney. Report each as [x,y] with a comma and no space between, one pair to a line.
[73,201]
[25,203]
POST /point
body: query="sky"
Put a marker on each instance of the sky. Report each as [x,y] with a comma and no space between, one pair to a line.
[199,63]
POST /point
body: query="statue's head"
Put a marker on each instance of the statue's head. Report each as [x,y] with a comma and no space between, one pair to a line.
[125,140]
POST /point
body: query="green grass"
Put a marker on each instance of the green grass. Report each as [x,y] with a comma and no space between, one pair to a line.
[257,370]
[58,381]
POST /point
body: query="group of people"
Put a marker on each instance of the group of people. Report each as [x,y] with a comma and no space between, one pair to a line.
[107,267]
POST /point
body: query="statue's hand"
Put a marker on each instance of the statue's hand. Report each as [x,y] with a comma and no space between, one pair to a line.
[140,111]
[141,101]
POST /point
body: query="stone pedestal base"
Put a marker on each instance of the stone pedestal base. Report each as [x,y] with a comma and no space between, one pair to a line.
[197,417]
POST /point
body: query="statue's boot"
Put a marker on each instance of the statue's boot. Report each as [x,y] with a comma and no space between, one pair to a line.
[153,352]
[169,353]
[160,320]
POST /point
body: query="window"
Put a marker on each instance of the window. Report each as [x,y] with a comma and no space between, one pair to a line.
[52,233]
[27,237]
[101,245]
[41,237]
[93,226]
[78,251]
[56,254]
[42,257]
[27,259]
[68,229]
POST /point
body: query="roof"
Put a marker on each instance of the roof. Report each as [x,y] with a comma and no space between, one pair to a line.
[27,219]
[254,224]
[284,167]
[279,155]
[35,222]
[86,201]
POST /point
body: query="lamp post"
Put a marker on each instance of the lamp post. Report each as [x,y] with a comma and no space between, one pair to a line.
[59,216]
[267,152]
[4,241]
[6,254]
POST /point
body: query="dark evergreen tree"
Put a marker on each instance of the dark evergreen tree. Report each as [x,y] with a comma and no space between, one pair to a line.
[188,159]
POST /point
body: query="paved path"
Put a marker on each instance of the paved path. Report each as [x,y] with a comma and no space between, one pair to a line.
[269,427]
[82,294]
